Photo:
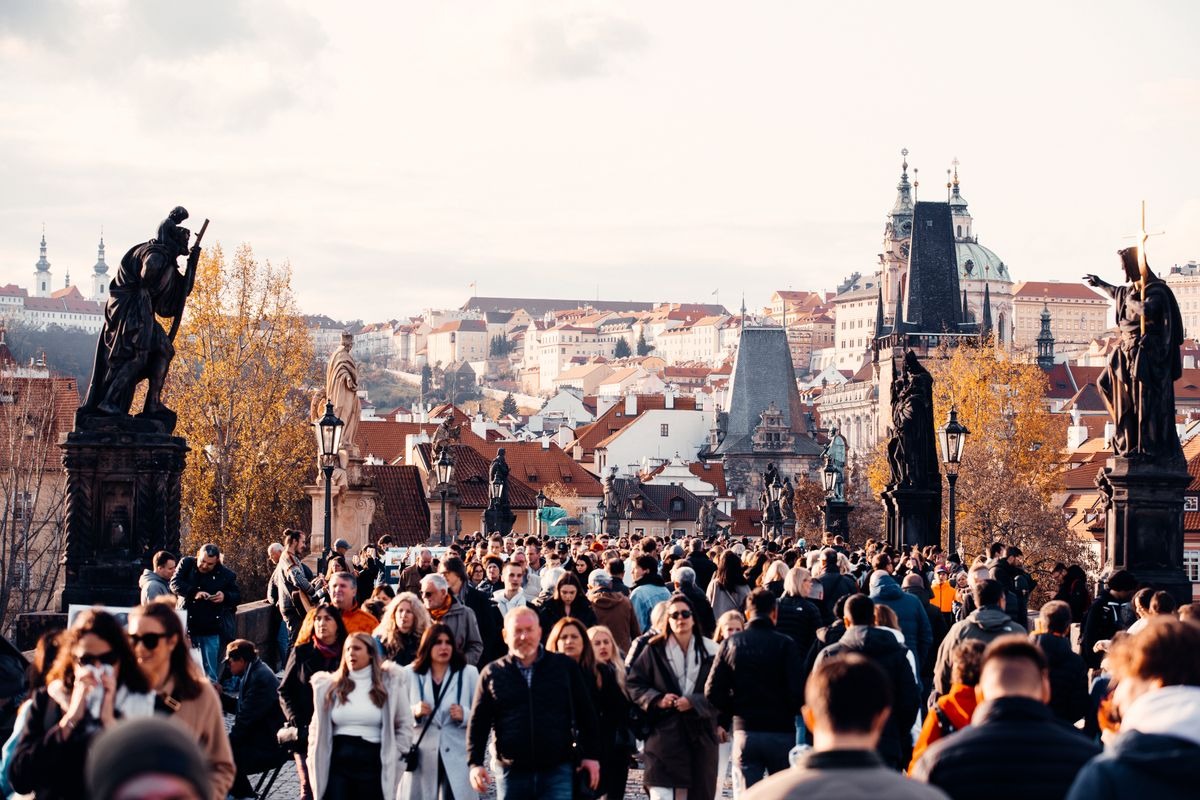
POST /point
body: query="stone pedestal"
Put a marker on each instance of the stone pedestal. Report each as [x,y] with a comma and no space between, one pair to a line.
[453,523]
[1144,531]
[353,510]
[499,519]
[913,517]
[123,493]
[837,517]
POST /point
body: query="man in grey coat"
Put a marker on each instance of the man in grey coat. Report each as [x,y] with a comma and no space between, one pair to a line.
[443,608]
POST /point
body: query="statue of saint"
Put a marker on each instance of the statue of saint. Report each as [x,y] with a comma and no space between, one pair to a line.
[1138,384]
[341,389]
[704,515]
[771,476]
[133,346]
[789,497]
[912,451]
[498,475]
[610,486]
[835,456]
[447,434]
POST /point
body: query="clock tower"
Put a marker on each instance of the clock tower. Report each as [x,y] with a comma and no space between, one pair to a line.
[897,237]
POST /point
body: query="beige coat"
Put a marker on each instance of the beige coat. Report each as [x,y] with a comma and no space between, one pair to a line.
[395,738]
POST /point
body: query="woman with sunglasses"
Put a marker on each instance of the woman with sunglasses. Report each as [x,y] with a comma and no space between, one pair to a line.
[667,682]
[95,681]
[441,689]
[570,638]
[361,727]
[183,693]
[322,653]
[403,623]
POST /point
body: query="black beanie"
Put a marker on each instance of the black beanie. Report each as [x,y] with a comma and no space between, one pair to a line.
[144,746]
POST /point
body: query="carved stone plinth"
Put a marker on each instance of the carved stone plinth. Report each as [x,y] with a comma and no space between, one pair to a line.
[914,517]
[123,492]
[837,517]
[1144,531]
[353,512]
[453,522]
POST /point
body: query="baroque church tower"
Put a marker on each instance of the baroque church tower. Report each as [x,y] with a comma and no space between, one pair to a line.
[100,276]
[41,273]
[897,238]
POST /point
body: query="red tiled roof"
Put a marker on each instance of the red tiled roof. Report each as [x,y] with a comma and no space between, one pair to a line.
[467,325]
[404,509]
[1083,476]
[1035,290]
[615,418]
[709,472]
[384,439]
[471,472]
[49,403]
[12,290]
[747,522]
[537,467]
[1086,399]
[72,304]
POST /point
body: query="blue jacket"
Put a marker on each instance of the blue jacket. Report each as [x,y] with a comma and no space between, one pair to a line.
[914,622]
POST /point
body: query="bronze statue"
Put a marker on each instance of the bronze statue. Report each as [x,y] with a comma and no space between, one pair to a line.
[1138,384]
[771,476]
[912,452]
[133,346]
[788,499]
[610,486]
[498,475]
[835,456]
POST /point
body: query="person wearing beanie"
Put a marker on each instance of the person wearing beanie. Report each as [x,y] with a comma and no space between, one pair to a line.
[147,757]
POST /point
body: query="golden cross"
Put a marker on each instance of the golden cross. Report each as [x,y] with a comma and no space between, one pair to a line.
[1142,235]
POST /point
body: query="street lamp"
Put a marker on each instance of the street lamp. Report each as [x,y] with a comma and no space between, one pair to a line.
[541,503]
[774,510]
[952,436]
[328,430]
[829,476]
[444,469]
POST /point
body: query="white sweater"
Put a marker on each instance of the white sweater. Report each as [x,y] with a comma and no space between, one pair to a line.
[358,716]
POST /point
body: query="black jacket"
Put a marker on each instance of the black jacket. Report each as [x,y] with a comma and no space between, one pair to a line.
[1068,678]
[884,649]
[533,731]
[45,764]
[706,623]
[257,710]
[1106,616]
[204,616]
[757,678]
[799,619]
[1140,764]
[295,692]
[704,567]
[487,617]
[1014,748]
[835,586]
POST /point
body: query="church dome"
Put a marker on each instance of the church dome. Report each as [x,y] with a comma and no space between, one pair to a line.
[976,262]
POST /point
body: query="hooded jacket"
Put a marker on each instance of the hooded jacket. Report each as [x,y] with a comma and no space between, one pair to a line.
[614,611]
[152,586]
[1156,755]
[914,622]
[983,624]
[883,648]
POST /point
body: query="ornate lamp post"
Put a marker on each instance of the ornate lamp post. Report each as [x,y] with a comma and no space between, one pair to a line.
[775,510]
[444,469]
[829,477]
[628,518]
[952,436]
[600,510]
[541,503]
[328,430]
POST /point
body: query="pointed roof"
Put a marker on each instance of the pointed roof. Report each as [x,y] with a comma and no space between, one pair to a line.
[933,291]
[42,264]
[987,309]
[904,205]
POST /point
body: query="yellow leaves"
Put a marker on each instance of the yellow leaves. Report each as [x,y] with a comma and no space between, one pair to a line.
[243,363]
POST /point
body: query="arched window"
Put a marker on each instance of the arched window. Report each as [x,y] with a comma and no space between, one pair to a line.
[959,234]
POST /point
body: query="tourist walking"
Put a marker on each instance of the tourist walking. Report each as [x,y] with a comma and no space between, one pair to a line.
[404,622]
[444,608]
[987,622]
[156,581]
[728,589]
[322,653]
[612,609]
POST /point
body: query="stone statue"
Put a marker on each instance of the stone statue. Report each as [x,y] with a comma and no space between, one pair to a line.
[1138,384]
[447,434]
[498,475]
[835,456]
[133,346]
[771,476]
[704,517]
[789,497]
[341,389]
[912,451]
[610,487]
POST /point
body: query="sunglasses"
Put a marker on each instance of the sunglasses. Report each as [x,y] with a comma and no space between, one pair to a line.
[681,614]
[429,594]
[90,660]
[147,640]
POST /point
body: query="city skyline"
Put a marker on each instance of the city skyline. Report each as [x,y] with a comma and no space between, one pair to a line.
[583,150]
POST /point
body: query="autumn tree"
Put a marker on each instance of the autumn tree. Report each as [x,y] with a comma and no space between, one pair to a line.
[34,410]
[1011,463]
[240,384]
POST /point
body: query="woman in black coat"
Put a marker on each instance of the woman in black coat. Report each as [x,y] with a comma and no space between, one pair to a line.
[568,600]
[322,654]
[667,682]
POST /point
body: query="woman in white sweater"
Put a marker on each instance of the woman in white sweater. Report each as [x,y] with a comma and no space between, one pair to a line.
[441,688]
[361,728]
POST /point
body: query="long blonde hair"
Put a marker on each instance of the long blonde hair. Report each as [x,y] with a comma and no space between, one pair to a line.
[388,631]
[343,684]
[618,660]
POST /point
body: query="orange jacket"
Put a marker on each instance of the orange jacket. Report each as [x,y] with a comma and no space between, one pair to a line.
[958,707]
[943,596]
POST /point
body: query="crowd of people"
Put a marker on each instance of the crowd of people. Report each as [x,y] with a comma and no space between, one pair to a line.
[529,667]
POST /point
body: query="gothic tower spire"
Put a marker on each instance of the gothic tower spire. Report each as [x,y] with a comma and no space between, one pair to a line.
[41,273]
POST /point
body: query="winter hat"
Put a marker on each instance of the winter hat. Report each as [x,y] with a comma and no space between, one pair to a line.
[144,746]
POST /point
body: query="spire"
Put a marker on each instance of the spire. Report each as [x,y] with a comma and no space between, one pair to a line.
[101,268]
[42,264]
[987,310]
[1045,341]
[966,316]
[956,198]
[879,313]
[898,324]
[67,279]
[743,320]
[904,201]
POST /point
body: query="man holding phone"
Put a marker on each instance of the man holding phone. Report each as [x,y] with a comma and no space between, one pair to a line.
[207,590]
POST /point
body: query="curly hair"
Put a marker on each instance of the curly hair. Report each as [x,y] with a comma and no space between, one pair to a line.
[388,631]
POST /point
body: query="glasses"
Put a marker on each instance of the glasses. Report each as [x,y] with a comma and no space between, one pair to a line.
[685,614]
[429,594]
[95,660]
[147,640]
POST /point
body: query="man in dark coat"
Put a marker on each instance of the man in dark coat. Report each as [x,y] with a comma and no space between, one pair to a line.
[1068,673]
[257,716]
[208,591]
[1108,614]
[487,615]
[834,585]
[1012,727]
[914,585]
[701,563]
[895,743]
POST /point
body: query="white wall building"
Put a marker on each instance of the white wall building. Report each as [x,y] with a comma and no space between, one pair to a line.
[658,435]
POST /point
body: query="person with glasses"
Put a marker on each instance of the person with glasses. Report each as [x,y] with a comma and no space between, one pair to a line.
[162,653]
[322,654]
[667,682]
[444,608]
[441,689]
[94,683]
[487,616]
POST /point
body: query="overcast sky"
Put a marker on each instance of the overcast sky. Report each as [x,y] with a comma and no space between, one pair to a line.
[395,152]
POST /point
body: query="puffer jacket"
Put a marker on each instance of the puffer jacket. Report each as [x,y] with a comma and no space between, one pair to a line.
[799,618]
[757,679]
[984,625]
[914,622]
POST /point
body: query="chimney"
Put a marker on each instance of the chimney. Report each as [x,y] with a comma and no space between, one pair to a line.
[545,442]
[1076,436]
[1109,431]
[668,397]
[631,404]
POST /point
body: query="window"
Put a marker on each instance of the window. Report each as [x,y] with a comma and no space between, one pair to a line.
[1191,503]
[1191,565]
[664,429]
[22,505]
[676,505]
[678,533]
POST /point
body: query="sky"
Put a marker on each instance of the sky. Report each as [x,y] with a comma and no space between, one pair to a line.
[395,153]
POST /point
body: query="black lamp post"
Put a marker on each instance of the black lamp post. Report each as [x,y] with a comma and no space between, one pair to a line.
[328,430]
[628,518]
[952,436]
[444,468]
[774,510]
[600,509]
[541,503]
[829,477]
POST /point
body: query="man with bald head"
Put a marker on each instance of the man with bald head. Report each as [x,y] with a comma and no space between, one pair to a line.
[532,699]
[1015,746]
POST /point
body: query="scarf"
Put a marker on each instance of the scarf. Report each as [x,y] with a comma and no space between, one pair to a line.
[438,613]
[326,652]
